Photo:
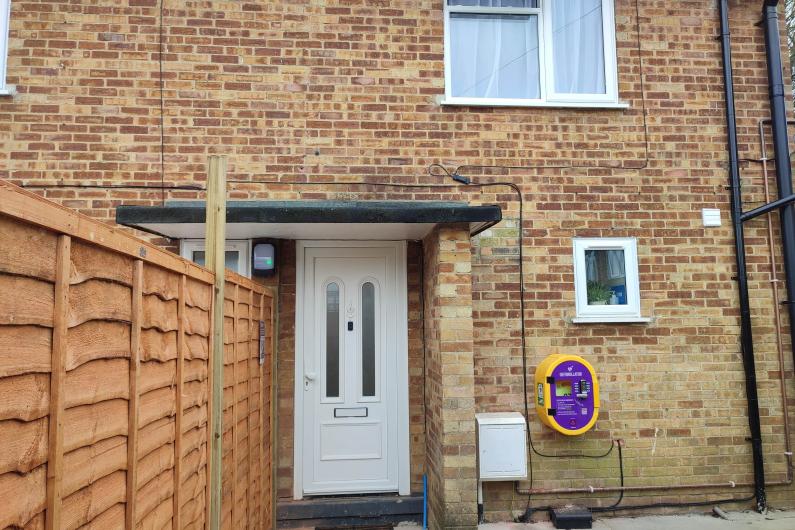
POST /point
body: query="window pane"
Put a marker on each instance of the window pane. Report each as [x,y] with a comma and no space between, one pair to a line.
[494,3]
[605,271]
[578,47]
[332,340]
[231,259]
[368,339]
[494,56]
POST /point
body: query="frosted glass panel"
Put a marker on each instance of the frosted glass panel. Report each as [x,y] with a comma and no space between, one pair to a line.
[368,340]
[332,340]
[231,259]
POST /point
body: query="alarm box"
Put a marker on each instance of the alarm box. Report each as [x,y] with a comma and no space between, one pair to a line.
[263,259]
[567,394]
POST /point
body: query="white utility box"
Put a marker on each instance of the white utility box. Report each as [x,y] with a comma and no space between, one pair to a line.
[502,446]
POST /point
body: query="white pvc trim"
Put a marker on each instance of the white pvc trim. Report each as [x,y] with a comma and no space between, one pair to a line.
[598,313]
[549,98]
[611,320]
[242,246]
[494,102]
[5,22]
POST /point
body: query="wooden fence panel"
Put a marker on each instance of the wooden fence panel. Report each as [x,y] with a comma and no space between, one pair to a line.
[105,345]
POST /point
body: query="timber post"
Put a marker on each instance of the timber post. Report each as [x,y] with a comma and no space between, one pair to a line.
[215,252]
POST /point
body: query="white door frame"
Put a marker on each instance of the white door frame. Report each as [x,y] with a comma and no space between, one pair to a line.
[401,286]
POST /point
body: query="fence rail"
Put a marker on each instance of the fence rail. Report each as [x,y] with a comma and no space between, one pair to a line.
[105,357]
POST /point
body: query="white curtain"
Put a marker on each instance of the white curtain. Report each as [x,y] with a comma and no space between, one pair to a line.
[494,56]
[615,264]
[578,46]
[590,266]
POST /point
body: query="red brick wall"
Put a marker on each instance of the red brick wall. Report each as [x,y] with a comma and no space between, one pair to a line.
[318,90]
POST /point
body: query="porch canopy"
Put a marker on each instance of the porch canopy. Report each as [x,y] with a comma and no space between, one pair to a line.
[385,220]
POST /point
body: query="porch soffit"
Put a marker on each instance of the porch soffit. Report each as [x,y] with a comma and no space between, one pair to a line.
[376,220]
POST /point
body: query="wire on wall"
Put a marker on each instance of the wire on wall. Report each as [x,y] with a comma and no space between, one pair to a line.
[187,187]
[162,114]
[644,107]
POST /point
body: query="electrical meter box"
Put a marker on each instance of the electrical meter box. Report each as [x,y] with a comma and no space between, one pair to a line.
[567,394]
[502,446]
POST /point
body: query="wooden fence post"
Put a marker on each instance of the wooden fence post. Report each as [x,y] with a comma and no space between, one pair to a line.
[57,376]
[235,397]
[134,402]
[250,438]
[215,251]
[177,519]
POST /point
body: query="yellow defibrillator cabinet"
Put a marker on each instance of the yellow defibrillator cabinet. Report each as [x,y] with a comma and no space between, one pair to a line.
[567,394]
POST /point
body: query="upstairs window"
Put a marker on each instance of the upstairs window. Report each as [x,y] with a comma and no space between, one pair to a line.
[5,16]
[530,53]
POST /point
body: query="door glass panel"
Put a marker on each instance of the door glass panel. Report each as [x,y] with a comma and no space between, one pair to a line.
[368,339]
[231,259]
[332,340]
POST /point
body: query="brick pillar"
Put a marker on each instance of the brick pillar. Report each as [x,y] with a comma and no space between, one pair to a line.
[450,450]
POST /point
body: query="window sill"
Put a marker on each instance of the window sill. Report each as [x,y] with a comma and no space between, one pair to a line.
[605,105]
[611,320]
[9,90]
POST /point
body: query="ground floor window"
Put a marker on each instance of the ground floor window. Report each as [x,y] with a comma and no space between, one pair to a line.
[237,259]
[606,279]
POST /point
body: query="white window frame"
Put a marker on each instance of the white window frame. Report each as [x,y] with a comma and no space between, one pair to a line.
[243,246]
[549,98]
[586,313]
[5,22]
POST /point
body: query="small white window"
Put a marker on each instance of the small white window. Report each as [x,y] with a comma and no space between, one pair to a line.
[530,53]
[606,280]
[237,256]
[5,17]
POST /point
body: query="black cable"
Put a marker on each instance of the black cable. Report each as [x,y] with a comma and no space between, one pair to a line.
[627,507]
[187,187]
[162,117]
[528,512]
[644,106]
[621,473]
[617,506]
[691,504]
[570,455]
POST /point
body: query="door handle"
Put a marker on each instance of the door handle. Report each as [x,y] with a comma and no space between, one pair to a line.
[308,378]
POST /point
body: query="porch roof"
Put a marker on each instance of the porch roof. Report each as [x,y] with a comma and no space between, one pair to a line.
[311,219]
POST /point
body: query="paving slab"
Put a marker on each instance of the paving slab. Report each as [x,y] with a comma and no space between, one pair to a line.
[779,520]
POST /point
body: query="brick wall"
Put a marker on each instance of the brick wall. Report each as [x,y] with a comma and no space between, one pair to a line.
[347,91]
[451,454]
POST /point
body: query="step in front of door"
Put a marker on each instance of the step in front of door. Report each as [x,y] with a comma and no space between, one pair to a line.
[355,511]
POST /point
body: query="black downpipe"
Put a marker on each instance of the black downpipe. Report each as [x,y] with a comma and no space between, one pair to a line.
[746,334]
[778,115]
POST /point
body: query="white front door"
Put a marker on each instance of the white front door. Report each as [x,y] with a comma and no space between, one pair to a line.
[352,333]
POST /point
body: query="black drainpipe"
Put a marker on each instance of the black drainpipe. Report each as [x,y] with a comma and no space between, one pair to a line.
[778,115]
[746,334]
